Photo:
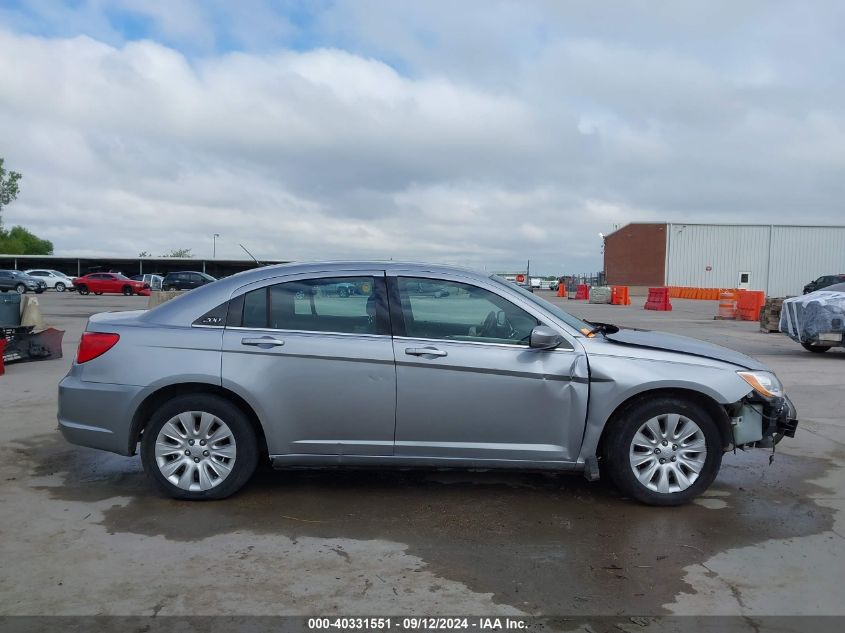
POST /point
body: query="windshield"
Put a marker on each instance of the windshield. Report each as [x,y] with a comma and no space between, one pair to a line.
[567,318]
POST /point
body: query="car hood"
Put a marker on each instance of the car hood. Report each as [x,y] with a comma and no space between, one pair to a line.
[683,345]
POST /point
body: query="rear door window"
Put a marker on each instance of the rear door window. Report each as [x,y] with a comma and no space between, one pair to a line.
[348,305]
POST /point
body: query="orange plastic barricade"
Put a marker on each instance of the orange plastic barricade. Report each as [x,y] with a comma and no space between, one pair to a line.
[561,290]
[658,299]
[749,304]
[582,292]
[619,296]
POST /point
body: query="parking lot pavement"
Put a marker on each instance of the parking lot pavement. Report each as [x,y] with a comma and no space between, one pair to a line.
[83,532]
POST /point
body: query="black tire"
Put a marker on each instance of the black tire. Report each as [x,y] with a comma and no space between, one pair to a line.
[39,291]
[816,349]
[60,287]
[83,289]
[127,291]
[343,292]
[165,287]
[246,457]
[620,433]
[98,293]
[20,289]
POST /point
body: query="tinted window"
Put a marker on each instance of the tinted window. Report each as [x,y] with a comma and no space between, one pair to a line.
[461,312]
[352,305]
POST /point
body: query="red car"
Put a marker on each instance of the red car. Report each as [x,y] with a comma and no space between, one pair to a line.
[98,283]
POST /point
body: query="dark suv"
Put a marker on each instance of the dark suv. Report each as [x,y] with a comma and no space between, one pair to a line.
[20,282]
[823,282]
[185,280]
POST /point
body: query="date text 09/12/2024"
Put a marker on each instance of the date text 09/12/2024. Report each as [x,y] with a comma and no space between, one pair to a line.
[416,623]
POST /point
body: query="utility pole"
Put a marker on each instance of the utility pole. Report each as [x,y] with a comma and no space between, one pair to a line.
[214,245]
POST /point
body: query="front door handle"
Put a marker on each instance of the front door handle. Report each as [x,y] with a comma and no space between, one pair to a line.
[425,351]
[263,341]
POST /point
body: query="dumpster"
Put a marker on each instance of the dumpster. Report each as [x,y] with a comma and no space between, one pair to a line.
[10,309]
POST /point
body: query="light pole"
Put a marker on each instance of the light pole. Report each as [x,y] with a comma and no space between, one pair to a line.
[214,245]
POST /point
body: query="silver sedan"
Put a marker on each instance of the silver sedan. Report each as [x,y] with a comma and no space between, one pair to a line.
[407,365]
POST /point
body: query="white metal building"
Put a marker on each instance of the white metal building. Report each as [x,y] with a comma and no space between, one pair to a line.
[779,259]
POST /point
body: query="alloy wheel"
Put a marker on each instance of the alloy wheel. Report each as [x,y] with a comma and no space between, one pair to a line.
[667,453]
[195,451]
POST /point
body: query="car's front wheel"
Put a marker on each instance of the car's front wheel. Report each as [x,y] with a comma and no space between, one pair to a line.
[663,451]
[20,289]
[199,447]
[83,290]
[127,290]
[60,287]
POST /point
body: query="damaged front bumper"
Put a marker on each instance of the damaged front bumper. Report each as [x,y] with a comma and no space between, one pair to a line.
[762,422]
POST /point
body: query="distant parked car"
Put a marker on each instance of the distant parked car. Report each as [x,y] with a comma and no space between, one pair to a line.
[53,278]
[20,282]
[152,279]
[817,319]
[427,289]
[346,290]
[112,283]
[185,280]
[823,282]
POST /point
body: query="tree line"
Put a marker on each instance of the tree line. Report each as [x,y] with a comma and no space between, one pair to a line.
[17,240]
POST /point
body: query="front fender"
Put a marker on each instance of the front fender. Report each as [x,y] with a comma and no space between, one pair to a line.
[615,380]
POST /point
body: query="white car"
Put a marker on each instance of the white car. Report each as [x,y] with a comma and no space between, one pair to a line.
[53,278]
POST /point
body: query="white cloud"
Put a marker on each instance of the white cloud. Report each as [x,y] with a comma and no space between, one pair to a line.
[483,134]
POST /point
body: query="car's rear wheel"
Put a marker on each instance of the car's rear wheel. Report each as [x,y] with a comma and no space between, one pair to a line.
[199,447]
[127,290]
[20,289]
[60,287]
[663,451]
[83,289]
[817,349]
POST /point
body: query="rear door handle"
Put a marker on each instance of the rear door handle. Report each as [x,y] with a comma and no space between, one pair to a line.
[263,341]
[425,351]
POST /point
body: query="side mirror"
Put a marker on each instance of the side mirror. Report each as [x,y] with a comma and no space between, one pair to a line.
[544,337]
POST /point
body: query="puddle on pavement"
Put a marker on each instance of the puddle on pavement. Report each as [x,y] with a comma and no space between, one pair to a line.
[544,543]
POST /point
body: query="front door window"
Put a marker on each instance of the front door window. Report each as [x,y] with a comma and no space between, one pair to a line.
[454,311]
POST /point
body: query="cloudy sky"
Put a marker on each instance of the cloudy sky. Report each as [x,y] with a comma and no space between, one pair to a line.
[474,132]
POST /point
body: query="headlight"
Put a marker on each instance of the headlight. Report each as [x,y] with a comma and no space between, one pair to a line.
[763,382]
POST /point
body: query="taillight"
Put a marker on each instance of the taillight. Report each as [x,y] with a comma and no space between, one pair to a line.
[93,344]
